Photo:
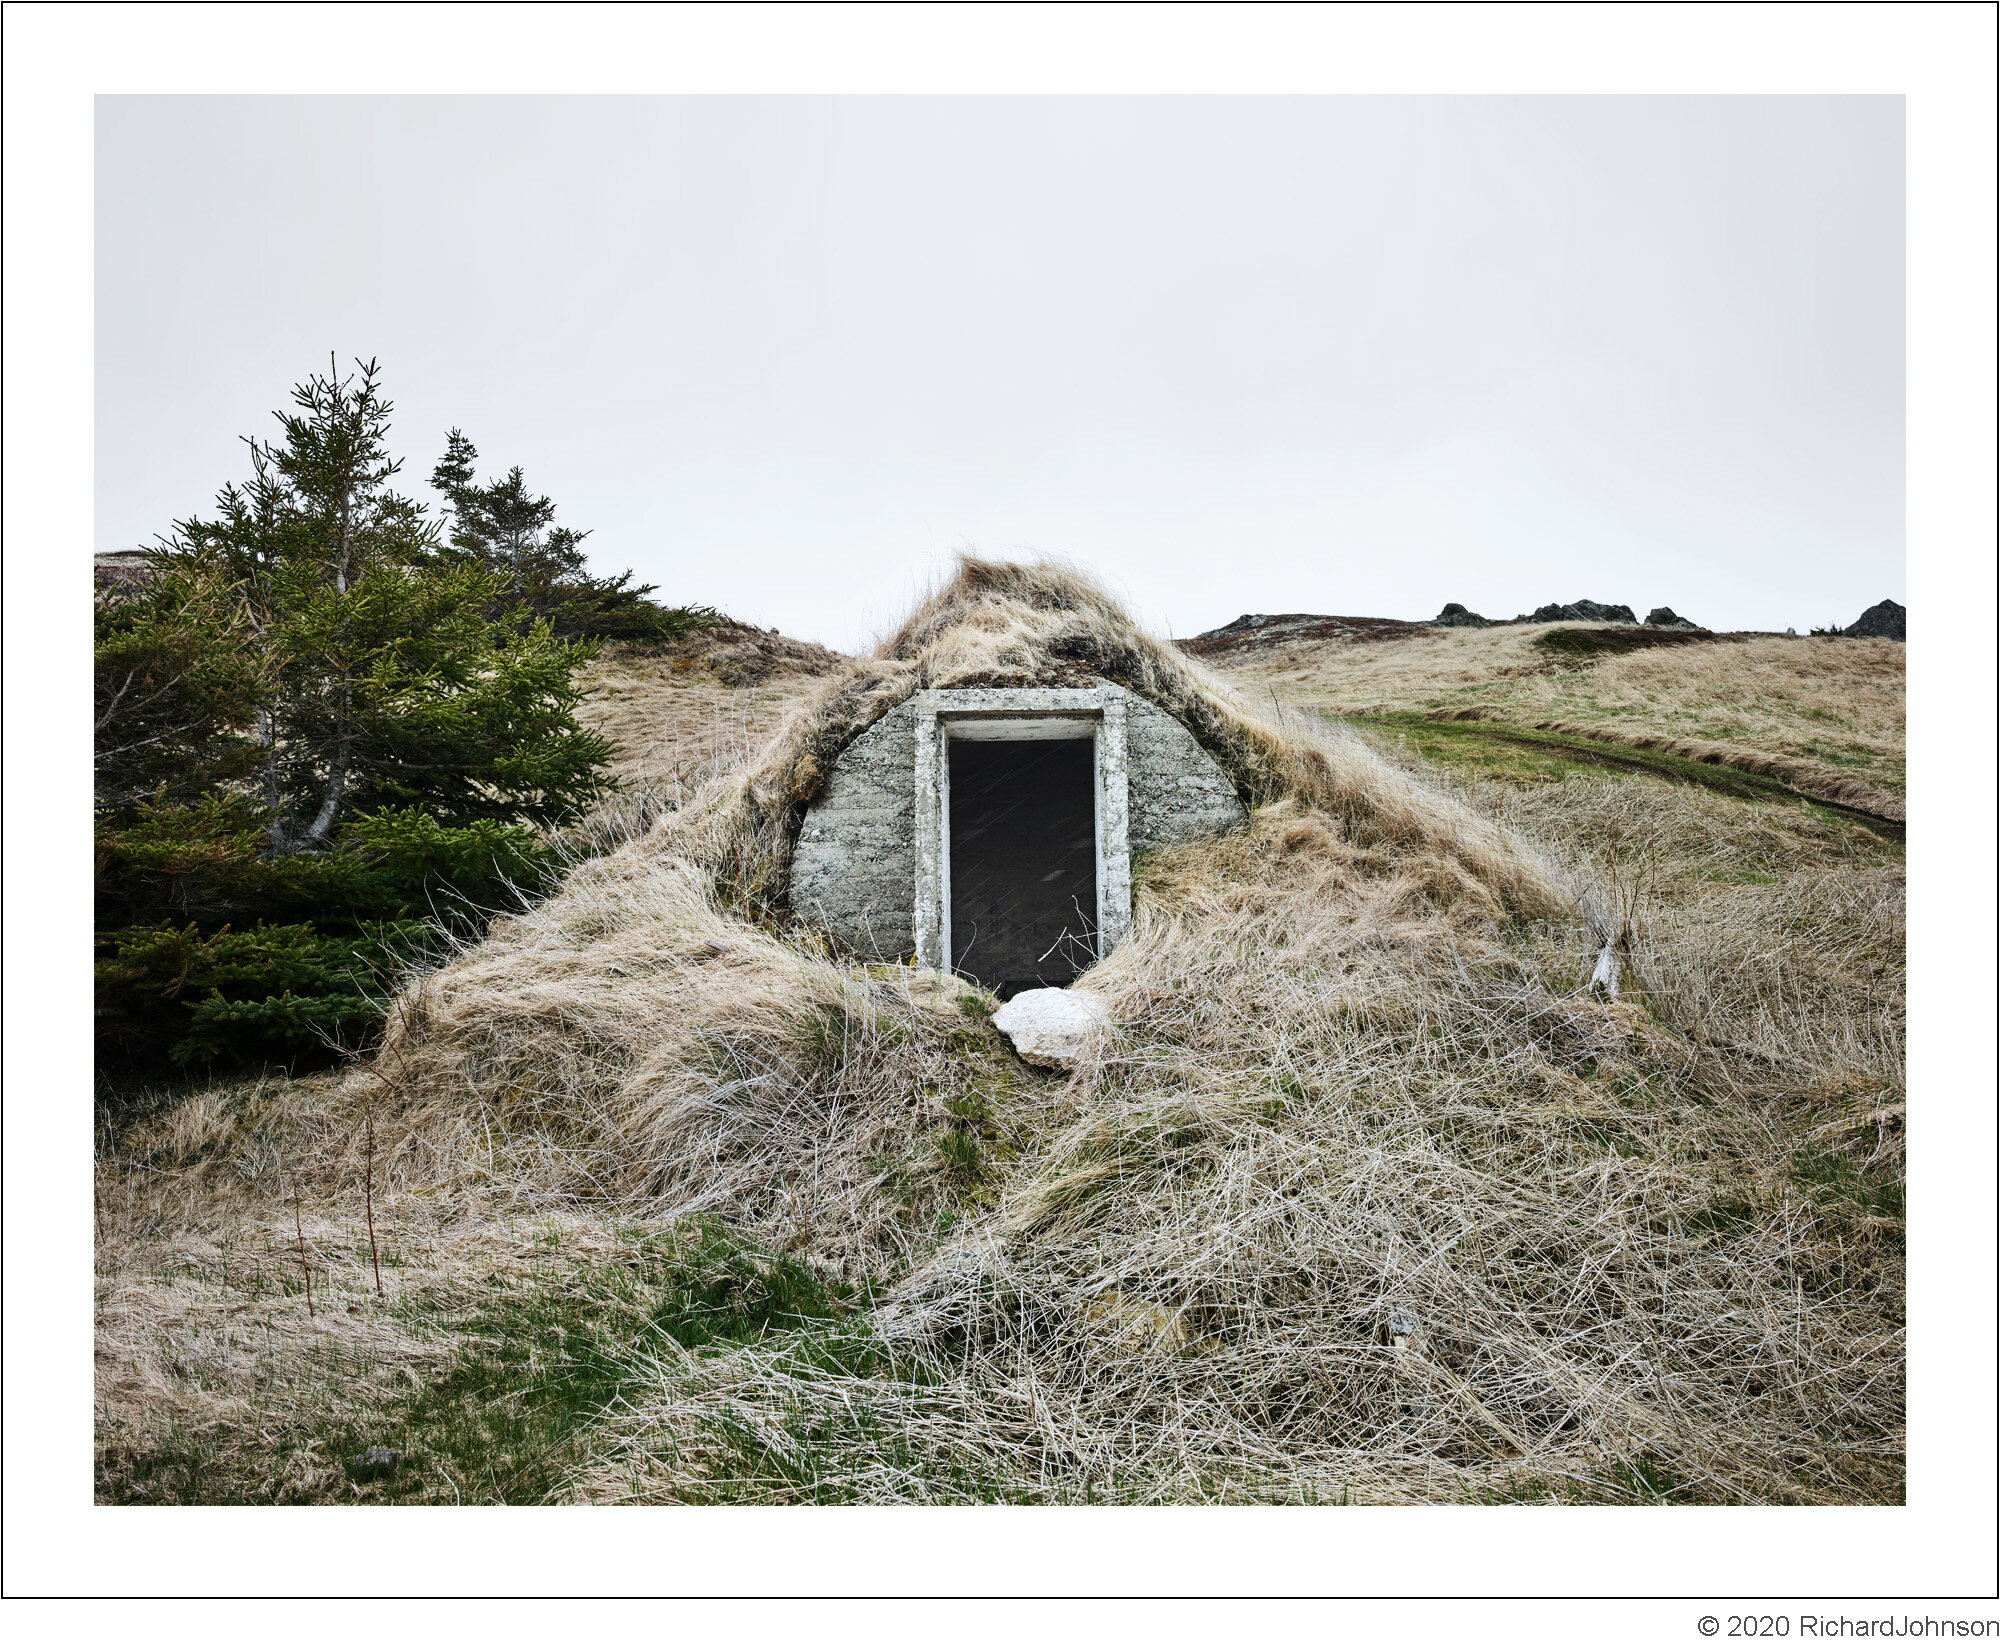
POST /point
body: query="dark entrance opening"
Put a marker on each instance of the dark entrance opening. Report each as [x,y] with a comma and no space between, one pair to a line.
[1023,861]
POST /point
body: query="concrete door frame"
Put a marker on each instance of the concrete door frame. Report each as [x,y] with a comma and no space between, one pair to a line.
[1030,714]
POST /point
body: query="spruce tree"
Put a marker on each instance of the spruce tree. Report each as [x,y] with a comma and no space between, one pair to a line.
[511,531]
[393,673]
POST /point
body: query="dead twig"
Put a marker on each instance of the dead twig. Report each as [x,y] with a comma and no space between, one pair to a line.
[298,1224]
[368,1191]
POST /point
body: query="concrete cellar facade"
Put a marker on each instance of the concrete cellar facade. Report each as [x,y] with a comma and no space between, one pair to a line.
[873,864]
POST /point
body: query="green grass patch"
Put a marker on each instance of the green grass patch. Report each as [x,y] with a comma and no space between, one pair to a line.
[1522,754]
[1641,1480]
[1581,647]
[545,1358]
[828,1037]
[1726,1215]
[959,1153]
[1486,748]
[1843,1186]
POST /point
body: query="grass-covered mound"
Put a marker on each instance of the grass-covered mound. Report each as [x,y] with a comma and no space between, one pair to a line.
[1367,1197]
[1001,624]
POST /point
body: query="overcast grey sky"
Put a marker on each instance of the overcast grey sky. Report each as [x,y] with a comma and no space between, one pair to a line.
[783,355]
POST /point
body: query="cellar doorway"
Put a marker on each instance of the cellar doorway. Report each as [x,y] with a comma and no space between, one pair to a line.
[1023,854]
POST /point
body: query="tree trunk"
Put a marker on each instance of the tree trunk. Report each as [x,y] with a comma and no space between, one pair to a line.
[336,792]
[273,800]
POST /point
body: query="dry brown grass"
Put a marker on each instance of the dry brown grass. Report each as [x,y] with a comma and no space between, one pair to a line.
[1633,1250]
[204,1343]
[677,715]
[1365,1197]
[1829,707]
[1001,624]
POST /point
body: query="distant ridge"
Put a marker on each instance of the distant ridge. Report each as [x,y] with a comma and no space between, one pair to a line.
[122,569]
[1258,631]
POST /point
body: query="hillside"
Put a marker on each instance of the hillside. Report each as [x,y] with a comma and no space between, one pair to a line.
[1822,716]
[1371,1197]
[679,714]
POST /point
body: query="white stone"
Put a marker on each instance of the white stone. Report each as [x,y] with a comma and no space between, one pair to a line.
[1051,1027]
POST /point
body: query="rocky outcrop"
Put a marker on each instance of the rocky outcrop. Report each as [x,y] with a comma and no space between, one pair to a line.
[1882,621]
[1580,611]
[1455,616]
[1261,631]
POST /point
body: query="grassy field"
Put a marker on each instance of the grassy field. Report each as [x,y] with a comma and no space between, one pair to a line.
[1833,707]
[1370,1199]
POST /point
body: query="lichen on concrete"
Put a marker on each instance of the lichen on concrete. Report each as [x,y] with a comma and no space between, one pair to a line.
[855,867]
[1177,792]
